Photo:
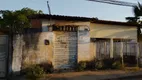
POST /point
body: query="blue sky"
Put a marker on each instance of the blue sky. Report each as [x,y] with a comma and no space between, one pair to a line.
[73,8]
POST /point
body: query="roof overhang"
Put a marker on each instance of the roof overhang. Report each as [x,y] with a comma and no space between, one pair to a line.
[78,18]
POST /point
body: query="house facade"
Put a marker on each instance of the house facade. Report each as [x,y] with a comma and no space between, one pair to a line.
[4,46]
[63,41]
[113,39]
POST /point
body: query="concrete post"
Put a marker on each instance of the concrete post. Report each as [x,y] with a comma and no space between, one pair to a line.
[111,48]
[137,45]
[121,53]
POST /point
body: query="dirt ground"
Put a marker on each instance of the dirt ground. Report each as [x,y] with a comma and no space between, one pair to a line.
[93,75]
[90,75]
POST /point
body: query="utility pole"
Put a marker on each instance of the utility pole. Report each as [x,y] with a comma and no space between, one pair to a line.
[48,8]
[50,20]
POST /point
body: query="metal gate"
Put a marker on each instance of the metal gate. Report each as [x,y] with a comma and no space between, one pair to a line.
[3,54]
[130,53]
[102,49]
[65,50]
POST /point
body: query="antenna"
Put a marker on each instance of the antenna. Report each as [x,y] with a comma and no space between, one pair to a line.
[48,8]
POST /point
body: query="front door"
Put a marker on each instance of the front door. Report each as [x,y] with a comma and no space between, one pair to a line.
[65,50]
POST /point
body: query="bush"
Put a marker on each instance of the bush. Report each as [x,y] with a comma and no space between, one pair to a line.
[47,66]
[99,64]
[34,72]
[81,66]
[117,65]
[108,63]
[90,65]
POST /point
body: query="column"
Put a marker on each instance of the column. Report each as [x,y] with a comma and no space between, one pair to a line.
[121,53]
[111,48]
[137,46]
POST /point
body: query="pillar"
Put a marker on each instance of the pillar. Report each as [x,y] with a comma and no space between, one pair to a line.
[111,48]
[137,46]
[121,53]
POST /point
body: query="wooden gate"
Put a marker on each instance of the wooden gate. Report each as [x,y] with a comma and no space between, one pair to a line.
[3,54]
[65,50]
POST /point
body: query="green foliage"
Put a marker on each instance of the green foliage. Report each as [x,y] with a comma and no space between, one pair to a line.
[34,72]
[117,65]
[91,65]
[47,66]
[17,20]
[108,63]
[137,10]
[81,66]
[99,64]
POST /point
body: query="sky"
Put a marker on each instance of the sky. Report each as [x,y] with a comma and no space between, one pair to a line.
[82,8]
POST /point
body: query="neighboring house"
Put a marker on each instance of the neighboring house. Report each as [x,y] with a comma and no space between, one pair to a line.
[113,39]
[3,53]
[64,41]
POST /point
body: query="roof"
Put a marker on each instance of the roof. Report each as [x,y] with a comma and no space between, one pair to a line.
[61,17]
[115,23]
[78,18]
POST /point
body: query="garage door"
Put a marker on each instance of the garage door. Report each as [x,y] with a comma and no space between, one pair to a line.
[3,54]
[65,50]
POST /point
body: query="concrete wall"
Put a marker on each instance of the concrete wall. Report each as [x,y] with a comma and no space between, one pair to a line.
[113,31]
[65,49]
[83,49]
[30,49]
[84,46]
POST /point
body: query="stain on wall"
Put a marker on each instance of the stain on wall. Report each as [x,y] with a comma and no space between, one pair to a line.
[65,49]
[83,49]
[30,49]
[83,46]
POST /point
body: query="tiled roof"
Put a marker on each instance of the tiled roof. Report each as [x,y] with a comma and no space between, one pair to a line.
[61,17]
[78,18]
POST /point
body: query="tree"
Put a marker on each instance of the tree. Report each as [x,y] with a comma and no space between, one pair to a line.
[137,10]
[17,20]
[132,19]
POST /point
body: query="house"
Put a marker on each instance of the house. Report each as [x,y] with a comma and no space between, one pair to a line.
[63,41]
[4,46]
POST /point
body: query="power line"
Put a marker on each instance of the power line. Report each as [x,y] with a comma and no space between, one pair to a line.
[115,2]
